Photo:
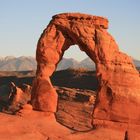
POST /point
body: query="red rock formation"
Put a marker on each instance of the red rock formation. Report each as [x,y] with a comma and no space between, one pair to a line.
[16,97]
[119,91]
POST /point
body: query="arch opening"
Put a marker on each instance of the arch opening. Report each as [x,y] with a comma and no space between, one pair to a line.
[69,64]
[76,87]
[75,53]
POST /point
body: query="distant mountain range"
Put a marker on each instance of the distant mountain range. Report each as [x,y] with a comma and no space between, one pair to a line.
[66,63]
[25,63]
[11,63]
[137,63]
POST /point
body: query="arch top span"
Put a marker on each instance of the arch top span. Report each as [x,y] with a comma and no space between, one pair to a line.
[113,68]
[69,29]
[84,18]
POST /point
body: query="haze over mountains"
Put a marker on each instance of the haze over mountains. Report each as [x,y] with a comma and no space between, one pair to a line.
[11,63]
[24,63]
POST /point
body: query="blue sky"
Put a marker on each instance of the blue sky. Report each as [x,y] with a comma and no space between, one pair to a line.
[22,22]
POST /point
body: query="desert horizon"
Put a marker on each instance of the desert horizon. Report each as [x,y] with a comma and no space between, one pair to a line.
[28,63]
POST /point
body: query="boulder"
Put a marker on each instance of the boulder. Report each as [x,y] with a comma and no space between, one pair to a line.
[17,98]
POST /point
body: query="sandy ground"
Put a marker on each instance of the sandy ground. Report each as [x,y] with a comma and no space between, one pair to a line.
[36,125]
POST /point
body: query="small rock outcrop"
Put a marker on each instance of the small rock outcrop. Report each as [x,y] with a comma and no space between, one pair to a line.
[16,97]
[118,96]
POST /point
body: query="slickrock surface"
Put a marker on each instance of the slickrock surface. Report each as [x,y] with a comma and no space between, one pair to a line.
[43,126]
[75,107]
[72,103]
[31,125]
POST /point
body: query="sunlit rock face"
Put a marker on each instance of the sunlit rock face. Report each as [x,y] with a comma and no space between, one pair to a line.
[118,96]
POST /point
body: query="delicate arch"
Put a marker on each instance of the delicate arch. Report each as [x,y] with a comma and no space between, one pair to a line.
[90,34]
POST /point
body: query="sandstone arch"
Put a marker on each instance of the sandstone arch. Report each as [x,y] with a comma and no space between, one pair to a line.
[119,81]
